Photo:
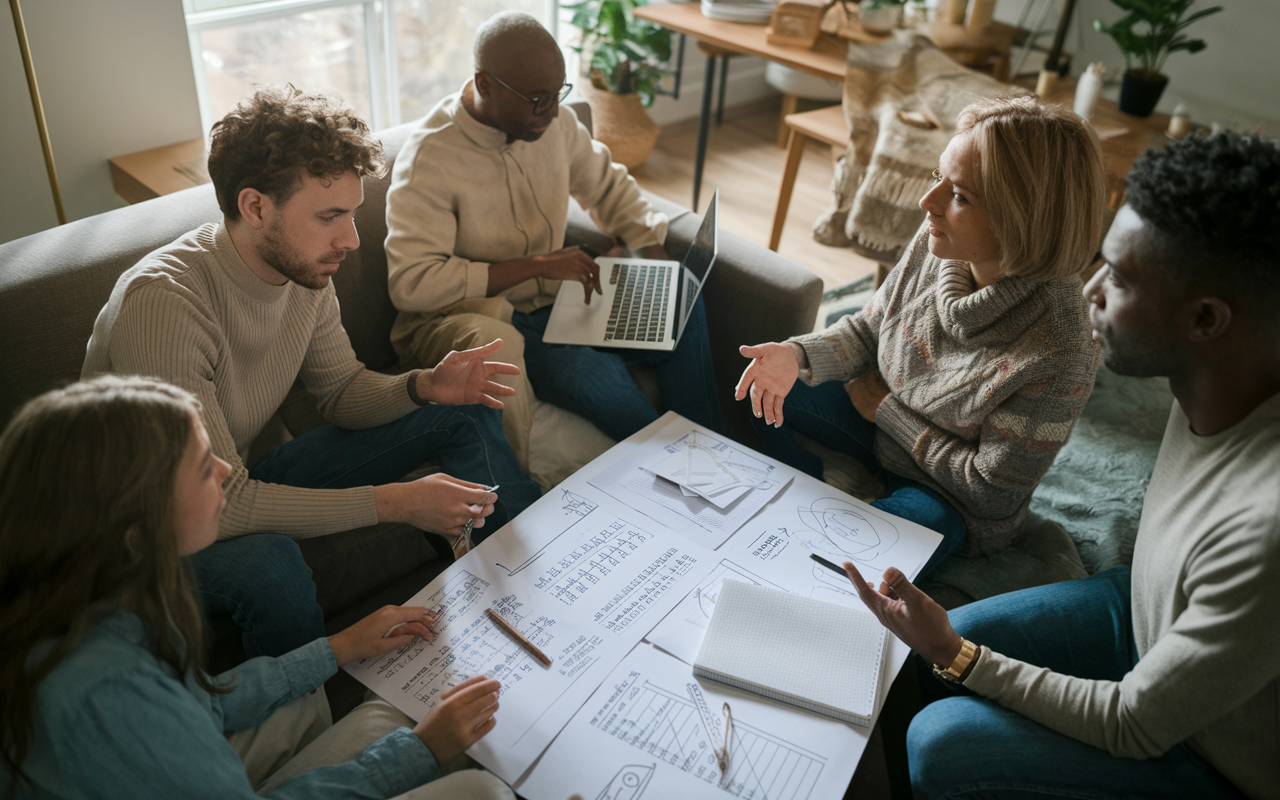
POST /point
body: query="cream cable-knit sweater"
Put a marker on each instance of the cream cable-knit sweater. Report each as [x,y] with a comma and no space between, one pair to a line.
[462,198]
[1206,613]
[193,314]
[985,386]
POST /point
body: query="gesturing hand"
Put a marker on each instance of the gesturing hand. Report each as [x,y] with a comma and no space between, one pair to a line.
[910,614]
[461,718]
[770,375]
[572,264]
[439,503]
[462,377]
[383,631]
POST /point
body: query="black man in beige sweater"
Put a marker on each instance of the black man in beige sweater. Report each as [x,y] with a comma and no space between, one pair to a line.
[475,241]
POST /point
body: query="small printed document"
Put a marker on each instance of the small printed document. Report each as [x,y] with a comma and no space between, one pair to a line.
[691,480]
[580,576]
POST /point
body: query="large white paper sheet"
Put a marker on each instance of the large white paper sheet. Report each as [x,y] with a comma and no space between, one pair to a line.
[631,480]
[579,575]
[773,550]
[647,731]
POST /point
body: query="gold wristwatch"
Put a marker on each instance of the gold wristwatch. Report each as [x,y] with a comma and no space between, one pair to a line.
[955,672]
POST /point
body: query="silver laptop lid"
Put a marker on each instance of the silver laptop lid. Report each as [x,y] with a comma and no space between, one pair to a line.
[697,262]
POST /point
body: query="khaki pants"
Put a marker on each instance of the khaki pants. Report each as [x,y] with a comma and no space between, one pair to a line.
[425,341]
[302,737]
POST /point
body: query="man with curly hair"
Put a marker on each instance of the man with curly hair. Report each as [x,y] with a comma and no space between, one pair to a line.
[1160,679]
[235,311]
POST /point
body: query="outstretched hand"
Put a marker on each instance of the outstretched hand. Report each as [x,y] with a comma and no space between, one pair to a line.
[768,378]
[461,718]
[463,377]
[909,614]
[383,631]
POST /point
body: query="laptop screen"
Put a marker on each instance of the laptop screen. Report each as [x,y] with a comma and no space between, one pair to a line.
[697,262]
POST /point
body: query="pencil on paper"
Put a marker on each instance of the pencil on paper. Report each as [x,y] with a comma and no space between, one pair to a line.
[831,565]
[517,637]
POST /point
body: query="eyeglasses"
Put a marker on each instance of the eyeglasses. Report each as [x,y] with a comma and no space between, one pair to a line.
[542,103]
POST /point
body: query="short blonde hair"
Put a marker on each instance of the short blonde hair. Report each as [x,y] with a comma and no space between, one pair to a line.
[1044,183]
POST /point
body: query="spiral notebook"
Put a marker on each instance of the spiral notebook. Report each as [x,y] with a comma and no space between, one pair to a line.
[808,653]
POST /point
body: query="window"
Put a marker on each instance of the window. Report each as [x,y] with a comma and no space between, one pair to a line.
[392,60]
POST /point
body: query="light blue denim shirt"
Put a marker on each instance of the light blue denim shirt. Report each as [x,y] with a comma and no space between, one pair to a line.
[114,722]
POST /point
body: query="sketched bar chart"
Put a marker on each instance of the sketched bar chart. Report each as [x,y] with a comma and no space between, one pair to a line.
[667,727]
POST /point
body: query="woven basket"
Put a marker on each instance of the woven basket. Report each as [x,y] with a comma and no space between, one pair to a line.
[622,124]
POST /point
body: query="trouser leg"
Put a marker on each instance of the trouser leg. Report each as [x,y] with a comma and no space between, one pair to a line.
[590,382]
[431,341]
[262,581]
[467,441]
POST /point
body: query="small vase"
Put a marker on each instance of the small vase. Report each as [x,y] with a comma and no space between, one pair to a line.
[880,19]
[1140,91]
[622,124]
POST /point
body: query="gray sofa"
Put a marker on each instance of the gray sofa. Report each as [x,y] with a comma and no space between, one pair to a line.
[52,285]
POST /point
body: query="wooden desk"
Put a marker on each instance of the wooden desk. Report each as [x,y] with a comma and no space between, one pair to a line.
[827,60]
[159,171]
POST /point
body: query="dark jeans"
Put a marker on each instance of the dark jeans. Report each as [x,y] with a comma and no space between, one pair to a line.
[825,413]
[594,382]
[262,580]
[969,747]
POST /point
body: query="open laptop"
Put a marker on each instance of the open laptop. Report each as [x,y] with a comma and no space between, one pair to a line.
[646,302]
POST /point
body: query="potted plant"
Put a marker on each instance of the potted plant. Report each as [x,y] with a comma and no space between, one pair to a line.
[880,16]
[1147,34]
[624,62]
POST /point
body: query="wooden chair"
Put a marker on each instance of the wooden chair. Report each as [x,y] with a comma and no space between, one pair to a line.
[824,125]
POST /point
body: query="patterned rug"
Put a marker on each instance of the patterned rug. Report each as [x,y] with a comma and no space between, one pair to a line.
[846,299]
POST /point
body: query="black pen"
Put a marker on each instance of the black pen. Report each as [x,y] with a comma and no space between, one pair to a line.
[829,564]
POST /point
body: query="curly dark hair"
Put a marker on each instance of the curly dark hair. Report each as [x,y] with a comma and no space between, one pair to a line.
[279,133]
[1216,202]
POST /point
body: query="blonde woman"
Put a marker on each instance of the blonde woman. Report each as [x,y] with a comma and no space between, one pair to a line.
[966,372]
[104,486]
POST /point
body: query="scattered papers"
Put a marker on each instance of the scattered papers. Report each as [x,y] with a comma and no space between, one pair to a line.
[579,576]
[690,479]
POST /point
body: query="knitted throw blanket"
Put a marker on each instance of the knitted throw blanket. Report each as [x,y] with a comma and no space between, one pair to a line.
[888,167]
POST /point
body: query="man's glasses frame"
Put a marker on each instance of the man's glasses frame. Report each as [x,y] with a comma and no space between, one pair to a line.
[542,103]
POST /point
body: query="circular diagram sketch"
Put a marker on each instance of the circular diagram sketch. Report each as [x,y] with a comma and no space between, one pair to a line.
[844,531]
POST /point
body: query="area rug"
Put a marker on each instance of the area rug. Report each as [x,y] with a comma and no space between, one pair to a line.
[846,299]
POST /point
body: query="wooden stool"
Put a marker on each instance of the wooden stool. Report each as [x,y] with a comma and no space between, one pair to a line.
[825,125]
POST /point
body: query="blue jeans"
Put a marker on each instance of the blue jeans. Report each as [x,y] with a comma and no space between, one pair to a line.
[824,413]
[966,746]
[594,382]
[262,579]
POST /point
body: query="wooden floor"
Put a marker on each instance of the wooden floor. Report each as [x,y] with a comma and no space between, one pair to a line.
[745,163]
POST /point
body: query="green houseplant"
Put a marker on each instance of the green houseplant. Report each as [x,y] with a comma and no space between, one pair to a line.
[624,62]
[1147,34]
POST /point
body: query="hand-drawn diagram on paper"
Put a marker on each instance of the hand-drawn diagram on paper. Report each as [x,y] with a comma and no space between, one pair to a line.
[575,508]
[629,783]
[477,648]
[667,727]
[841,530]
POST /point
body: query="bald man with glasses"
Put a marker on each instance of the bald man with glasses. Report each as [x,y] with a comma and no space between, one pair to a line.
[475,241]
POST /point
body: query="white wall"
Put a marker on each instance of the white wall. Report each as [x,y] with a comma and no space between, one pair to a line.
[1233,80]
[115,78]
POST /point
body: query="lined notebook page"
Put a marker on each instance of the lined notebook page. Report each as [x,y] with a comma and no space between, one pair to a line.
[819,656]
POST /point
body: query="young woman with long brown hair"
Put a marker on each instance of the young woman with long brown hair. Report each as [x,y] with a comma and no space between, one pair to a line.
[104,486]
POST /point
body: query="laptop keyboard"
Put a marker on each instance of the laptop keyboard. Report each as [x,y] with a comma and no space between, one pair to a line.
[639,312]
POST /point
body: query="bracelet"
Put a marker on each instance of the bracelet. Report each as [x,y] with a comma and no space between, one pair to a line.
[956,672]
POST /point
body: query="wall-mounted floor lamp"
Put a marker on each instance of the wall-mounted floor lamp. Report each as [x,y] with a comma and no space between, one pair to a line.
[38,107]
